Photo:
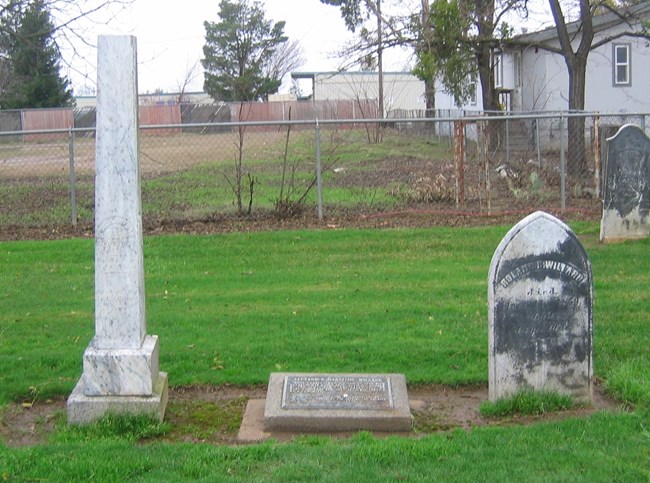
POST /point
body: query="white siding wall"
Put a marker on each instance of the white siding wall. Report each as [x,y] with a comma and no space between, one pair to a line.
[602,95]
[546,81]
[401,91]
[445,101]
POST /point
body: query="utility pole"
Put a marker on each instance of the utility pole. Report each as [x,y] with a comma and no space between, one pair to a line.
[380,63]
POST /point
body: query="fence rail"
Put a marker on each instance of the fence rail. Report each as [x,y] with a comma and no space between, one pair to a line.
[474,163]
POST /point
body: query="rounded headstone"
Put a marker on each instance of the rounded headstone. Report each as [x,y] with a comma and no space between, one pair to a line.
[540,311]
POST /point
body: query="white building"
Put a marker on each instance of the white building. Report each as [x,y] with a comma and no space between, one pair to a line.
[618,72]
[402,90]
[156,99]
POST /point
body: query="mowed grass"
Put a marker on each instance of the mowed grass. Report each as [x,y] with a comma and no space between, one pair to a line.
[233,308]
[605,447]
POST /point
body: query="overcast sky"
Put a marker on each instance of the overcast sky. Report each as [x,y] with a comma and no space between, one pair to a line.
[171,35]
[170,39]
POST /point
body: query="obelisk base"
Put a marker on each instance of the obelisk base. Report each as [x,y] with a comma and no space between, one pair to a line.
[84,409]
[121,372]
[119,381]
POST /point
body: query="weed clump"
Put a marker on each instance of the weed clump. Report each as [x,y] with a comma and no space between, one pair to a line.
[527,403]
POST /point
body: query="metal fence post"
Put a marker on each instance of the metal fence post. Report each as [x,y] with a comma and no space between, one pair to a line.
[464,161]
[459,157]
[485,150]
[319,180]
[507,139]
[562,166]
[537,146]
[73,188]
[597,160]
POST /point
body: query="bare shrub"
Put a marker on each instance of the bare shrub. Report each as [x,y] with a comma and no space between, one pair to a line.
[426,190]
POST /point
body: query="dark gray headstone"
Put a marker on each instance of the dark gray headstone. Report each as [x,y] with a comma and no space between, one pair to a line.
[626,191]
[540,311]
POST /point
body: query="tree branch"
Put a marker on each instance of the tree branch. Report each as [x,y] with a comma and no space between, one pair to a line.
[560,26]
[611,38]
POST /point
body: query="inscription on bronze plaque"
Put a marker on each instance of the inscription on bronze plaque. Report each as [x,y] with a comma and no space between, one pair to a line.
[337,392]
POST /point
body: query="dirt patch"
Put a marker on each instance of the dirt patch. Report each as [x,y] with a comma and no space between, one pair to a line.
[213,414]
[386,172]
[29,424]
[418,216]
[437,408]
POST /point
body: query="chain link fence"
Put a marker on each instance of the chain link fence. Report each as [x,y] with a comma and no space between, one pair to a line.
[466,164]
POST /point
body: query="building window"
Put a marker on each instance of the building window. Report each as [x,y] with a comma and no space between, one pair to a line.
[498,70]
[472,90]
[518,70]
[621,64]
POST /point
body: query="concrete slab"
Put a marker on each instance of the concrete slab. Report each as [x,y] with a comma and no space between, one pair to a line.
[252,429]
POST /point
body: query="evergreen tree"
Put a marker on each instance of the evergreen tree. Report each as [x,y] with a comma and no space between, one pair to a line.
[237,52]
[33,63]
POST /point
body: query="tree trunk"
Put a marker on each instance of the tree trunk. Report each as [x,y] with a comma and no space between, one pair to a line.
[486,76]
[430,97]
[576,153]
[576,62]
[380,62]
[490,101]
[430,103]
[379,134]
[430,82]
[485,26]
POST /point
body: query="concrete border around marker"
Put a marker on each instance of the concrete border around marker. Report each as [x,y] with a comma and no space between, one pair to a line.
[277,418]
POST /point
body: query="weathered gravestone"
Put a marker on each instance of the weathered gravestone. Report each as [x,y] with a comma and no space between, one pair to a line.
[337,402]
[626,191]
[120,365]
[540,311]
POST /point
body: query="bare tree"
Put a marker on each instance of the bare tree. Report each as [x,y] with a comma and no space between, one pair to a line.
[356,13]
[191,74]
[287,57]
[71,19]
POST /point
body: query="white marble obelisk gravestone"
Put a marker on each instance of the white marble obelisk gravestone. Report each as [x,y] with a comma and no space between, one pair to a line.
[120,366]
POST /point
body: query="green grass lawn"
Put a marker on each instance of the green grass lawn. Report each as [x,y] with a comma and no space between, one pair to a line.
[233,308]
